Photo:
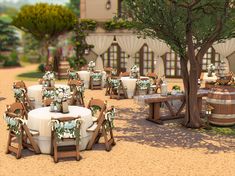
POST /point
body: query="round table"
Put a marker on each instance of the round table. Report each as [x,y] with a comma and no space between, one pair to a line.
[210,79]
[85,77]
[35,92]
[130,84]
[38,119]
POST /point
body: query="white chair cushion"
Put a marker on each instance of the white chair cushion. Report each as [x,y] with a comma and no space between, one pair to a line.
[94,119]
[92,127]
[34,132]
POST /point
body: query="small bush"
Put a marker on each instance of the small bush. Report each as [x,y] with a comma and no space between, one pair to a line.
[24,58]
[41,68]
[12,60]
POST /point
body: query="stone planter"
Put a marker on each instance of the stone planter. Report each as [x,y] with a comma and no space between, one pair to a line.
[142,91]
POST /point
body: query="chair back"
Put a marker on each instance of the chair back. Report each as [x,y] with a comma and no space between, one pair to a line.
[66,127]
[72,75]
[124,74]
[16,109]
[75,83]
[108,70]
[97,104]
[20,84]
[153,78]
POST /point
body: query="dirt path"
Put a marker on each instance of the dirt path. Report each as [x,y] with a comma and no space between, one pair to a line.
[143,148]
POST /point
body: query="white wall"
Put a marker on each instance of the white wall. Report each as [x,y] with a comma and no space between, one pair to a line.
[96,9]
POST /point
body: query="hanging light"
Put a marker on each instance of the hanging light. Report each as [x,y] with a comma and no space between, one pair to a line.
[108,4]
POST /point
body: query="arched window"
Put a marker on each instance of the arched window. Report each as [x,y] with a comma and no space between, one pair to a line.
[172,65]
[172,62]
[211,57]
[145,60]
[115,57]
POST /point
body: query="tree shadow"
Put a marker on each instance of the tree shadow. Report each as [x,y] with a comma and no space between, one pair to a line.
[135,128]
[2,98]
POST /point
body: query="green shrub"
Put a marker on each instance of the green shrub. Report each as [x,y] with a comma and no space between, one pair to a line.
[24,58]
[12,60]
[3,58]
[72,63]
[41,68]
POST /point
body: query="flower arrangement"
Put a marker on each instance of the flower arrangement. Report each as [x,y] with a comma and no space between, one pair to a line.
[176,87]
[109,117]
[19,94]
[48,93]
[72,75]
[96,76]
[48,79]
[210,70]
[143,84]
[91,65]
[175,90]
[68,129]
[14,124]
[115,83]
[48,76]
[94,109]
[134,71]
[61,94]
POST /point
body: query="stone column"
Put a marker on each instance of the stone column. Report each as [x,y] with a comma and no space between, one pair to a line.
[83,9]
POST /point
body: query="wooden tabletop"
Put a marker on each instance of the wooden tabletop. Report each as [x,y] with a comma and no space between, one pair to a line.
[155,98]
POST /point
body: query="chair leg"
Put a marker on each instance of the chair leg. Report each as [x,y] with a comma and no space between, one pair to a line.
[55,151]
[77,153]
[8,142]
[20,140]
[107,146]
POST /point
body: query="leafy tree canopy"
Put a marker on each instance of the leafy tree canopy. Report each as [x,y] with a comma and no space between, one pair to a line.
[74,5]
[167,20]
[45,21]
[8,37]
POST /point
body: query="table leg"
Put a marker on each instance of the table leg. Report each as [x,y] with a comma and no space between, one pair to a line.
[199,103]
[154,113]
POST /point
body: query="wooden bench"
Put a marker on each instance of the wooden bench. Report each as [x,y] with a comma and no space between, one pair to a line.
[155,100]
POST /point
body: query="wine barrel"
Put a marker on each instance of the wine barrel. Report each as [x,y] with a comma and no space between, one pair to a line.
[63,68]
[222,99]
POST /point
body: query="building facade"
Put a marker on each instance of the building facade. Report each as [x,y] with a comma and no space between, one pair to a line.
[145,58]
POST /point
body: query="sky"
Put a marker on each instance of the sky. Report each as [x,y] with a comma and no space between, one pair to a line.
[35,1]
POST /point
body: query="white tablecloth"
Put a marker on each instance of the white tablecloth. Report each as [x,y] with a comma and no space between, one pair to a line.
[213,78]
[35,92]
[38,119]
[130,84]
[85,76]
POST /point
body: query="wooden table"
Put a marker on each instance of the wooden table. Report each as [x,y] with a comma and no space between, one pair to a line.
[156,100]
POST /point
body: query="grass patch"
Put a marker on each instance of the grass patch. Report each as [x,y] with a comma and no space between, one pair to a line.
[34,76]
[30,76]
[224,130]
[227,131]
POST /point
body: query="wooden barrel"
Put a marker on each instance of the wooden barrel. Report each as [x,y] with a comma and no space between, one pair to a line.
[63,68]
[222,99]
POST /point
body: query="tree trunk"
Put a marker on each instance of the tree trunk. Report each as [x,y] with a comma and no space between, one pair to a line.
[192,116]
[47,53]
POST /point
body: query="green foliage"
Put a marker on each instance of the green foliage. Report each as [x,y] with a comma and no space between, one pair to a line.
[117,24]
[12,60]
[45,21]
[176,87]
[41,68]
[34,75]
[74,5]
[167,20]
[8,38]
[3,58]
[30,44]
[79,42]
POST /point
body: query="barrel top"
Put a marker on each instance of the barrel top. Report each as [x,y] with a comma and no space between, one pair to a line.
[223,88]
